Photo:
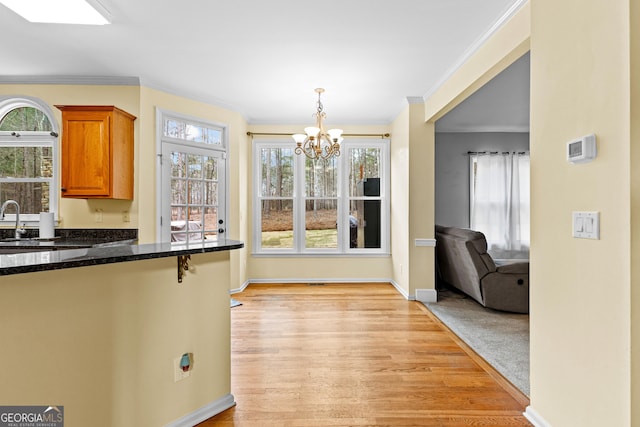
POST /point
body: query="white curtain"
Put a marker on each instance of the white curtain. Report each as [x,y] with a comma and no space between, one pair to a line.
[499,199]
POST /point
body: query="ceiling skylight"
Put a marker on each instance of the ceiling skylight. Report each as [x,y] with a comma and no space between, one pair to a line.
[57,11]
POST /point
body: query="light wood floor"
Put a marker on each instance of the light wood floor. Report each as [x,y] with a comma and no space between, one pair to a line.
[356,355]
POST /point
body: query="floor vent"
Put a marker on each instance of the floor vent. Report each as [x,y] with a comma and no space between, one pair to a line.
[316,284]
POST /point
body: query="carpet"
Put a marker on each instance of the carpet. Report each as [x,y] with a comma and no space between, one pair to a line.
[500,338]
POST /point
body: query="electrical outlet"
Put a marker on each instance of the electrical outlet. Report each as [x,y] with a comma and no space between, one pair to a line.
[178,373]
[98,217]
[126,217]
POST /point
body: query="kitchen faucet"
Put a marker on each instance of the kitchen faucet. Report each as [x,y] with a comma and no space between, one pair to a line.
[19,231]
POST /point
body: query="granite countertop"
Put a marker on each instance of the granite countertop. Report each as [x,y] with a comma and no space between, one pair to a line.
[59,243]
[102,253]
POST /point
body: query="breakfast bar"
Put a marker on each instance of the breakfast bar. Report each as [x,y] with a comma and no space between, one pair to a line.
[30,256]
[97,330]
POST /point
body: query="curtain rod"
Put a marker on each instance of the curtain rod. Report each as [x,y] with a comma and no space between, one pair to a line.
[471,153]
[381,135]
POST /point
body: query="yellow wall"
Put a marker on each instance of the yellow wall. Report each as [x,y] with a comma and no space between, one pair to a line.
[635,212]
[142,103]
[421,199]
[150,99]
[400,199]
[80,213]
[584,292]
[506,45]
[101,340]
[412,195]
[581,289]
[309,268]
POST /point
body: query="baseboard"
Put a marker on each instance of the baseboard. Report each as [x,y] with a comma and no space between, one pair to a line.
[326,280]
[535,418]
[422,295]
[427,295]
[240,289]
[402,292]
[204,413]
[307,280]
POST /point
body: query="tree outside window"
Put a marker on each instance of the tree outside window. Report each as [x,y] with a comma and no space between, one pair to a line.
[27,157]
[338,205]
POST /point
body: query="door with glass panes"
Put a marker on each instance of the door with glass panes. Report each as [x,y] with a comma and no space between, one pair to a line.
[193,195]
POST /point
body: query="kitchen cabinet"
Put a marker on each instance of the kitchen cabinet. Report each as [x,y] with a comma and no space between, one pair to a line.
[96,152]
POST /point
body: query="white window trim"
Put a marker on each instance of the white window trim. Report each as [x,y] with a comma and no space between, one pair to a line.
[33,139]
[257,205]
[342,249]
[385,205]
[161,116]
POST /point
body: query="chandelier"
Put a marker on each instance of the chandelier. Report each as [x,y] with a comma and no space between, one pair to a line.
[315,143]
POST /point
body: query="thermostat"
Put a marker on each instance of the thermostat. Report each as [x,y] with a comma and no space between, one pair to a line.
[582,150]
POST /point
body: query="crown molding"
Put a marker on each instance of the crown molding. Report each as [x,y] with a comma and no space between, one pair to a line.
[72,80]
[415,99]
[102,10]
[117,81]
[475,46]
[406,101]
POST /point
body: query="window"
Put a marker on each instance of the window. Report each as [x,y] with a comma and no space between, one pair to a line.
[499,202]
[303,206]
[28,157]
[192,183]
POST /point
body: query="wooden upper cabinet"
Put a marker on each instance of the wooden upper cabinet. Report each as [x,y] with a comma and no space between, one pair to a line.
[97,152]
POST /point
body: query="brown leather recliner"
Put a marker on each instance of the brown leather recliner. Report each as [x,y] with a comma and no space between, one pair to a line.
[463,262]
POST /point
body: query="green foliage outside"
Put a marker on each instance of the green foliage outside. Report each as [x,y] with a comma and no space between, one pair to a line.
[320,191]
[17,163]
[25,119]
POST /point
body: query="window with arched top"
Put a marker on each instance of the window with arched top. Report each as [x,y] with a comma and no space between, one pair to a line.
[28,158]
[23,119]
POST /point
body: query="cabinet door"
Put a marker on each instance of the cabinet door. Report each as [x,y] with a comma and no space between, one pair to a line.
[86,157]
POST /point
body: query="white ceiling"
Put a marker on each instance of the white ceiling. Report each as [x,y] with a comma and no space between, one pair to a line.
[264,58]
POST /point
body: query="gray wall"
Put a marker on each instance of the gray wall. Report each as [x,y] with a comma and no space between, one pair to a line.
[452,169]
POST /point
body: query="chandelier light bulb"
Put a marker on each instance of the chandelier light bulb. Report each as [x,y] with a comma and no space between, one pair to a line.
[299,138]
[312,131]
[335,134]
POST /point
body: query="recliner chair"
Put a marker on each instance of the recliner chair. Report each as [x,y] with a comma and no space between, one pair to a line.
[463,262]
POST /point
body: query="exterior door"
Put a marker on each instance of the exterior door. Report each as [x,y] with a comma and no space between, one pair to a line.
[193,194]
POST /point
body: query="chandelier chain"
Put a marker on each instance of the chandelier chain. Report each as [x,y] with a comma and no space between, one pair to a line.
[320,106]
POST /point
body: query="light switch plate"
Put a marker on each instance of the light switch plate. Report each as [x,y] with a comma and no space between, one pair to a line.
[586,225]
